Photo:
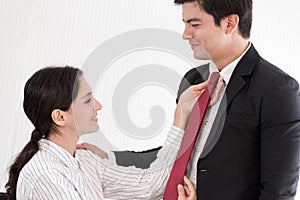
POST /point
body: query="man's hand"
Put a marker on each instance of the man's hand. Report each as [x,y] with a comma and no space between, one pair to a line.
[188,191]
[93,148]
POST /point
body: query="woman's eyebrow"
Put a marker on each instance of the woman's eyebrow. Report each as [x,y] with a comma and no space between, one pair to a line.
[88,94]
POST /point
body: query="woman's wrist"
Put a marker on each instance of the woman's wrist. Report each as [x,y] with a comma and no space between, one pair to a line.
[180,117]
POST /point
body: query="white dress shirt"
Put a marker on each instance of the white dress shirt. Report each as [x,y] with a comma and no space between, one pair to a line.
[209,118]
[52,173]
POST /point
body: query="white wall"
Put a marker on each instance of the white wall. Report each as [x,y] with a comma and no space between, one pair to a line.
[55,32]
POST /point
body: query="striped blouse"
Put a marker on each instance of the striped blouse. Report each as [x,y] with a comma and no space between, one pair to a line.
[53,173]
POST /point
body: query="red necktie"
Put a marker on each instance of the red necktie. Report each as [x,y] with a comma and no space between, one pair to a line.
[189,139]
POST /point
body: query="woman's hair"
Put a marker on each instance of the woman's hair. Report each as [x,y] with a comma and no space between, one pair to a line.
[47,89]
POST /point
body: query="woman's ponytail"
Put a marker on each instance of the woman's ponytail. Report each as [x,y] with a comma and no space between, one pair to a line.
[25,155]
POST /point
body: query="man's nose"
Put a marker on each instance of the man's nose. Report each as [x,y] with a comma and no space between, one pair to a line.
[187,33]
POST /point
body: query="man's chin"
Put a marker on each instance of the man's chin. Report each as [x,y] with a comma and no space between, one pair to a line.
[201,57]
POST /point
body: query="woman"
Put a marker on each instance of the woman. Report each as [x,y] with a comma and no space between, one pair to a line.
[59,103]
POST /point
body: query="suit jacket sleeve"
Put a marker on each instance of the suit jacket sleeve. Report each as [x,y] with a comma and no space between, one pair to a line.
[280,140]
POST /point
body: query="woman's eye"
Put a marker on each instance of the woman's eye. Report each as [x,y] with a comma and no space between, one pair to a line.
[88,101]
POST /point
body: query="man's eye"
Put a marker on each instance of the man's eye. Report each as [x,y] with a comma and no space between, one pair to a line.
[88,101]
[195,25]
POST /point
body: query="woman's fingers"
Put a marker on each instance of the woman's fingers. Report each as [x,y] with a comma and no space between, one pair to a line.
[80,146]
[187,190]
[200,87]
[93,148]
[181,193]
[190,189]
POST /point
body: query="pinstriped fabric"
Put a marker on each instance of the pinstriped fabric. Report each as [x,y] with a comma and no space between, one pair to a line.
[54,174]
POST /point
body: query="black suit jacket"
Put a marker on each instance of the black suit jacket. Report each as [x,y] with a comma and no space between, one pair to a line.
[253,150]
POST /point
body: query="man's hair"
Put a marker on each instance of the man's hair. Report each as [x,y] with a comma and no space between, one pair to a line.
[220,9]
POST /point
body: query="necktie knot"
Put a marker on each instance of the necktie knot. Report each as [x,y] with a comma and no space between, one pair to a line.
[212,82]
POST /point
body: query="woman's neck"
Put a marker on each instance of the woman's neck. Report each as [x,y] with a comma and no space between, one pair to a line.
[66,141]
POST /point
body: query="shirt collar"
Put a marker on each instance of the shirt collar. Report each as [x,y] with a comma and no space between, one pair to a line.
[227,70]
[58,152]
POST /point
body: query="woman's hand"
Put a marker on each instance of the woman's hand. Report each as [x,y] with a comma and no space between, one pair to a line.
[188,99]
[186,103]
[188,191]
[93,148]
[190,96]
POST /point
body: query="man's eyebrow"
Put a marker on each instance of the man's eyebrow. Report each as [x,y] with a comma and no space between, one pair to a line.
[90,93]
[192,20]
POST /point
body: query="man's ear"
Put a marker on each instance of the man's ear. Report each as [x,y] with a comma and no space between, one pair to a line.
[59,117]
[231,23]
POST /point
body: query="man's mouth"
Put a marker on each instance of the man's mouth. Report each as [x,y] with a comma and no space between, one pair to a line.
[193,46]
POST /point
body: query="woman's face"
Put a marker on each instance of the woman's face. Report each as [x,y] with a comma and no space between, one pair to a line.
[84,109]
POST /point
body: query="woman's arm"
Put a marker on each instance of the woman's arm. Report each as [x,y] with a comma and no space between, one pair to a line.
[133,183]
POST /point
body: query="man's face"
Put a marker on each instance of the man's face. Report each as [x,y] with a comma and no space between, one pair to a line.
[206,39]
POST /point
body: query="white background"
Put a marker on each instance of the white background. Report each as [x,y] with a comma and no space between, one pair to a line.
[36,33]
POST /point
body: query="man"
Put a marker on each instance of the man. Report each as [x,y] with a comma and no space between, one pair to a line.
[251,138]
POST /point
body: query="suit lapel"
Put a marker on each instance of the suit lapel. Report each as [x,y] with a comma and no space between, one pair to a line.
[244,68]
[235,84]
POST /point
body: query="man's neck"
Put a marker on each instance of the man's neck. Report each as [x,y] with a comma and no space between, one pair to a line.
[231,53]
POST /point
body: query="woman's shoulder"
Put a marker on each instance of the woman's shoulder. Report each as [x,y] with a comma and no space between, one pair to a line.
[38,166]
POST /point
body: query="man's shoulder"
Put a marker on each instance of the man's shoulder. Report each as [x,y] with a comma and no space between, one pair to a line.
[200,70]
[197,75]
[271,73]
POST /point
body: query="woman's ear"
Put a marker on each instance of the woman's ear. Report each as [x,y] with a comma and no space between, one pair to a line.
[231,23]
[59,117]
